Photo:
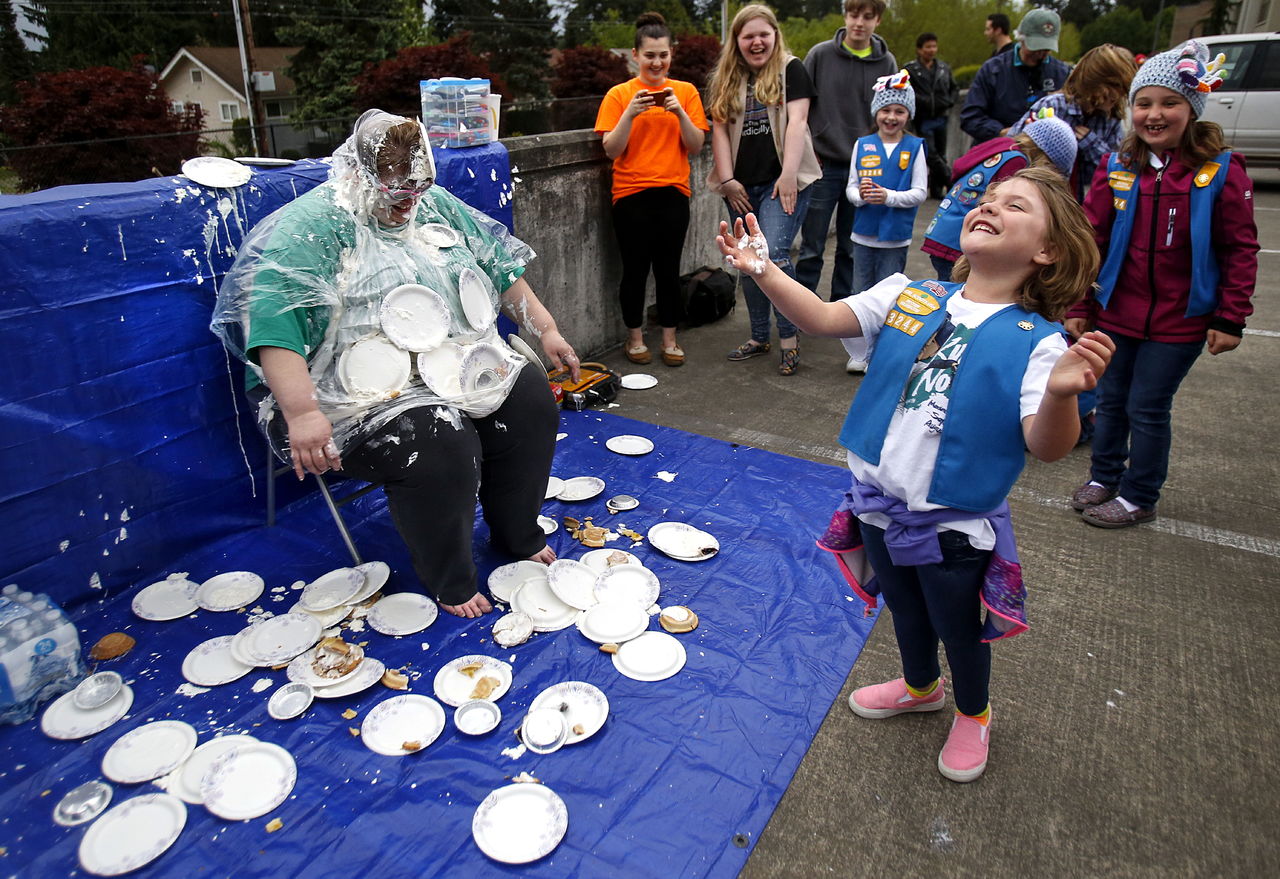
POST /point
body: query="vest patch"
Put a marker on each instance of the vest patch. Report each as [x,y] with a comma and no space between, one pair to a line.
[1120,204]
[869,161]
[1121,181]
[1026,325]
[992,161]
[1206,174]
[917,302]
[900,321]
[871,172]
[904,159]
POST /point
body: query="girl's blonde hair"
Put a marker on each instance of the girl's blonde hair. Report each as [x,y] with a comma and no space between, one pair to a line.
[1102,76]
[1050,290]
[731,70]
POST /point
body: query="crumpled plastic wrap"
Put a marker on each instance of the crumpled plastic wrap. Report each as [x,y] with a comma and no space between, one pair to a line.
[324,264]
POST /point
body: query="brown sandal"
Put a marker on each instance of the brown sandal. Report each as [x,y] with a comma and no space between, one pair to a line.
[790,361]
[748,349]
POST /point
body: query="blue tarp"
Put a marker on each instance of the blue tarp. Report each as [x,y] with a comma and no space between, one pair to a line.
[125,461]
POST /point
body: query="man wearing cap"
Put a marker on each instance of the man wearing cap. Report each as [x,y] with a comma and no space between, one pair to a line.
[1008,84]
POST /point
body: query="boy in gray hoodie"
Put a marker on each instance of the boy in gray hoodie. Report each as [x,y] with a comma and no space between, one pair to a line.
[843,71]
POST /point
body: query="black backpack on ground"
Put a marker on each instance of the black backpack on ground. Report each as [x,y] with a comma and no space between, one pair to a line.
[707,295]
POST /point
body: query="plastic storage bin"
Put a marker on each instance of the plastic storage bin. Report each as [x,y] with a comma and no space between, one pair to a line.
[456,112]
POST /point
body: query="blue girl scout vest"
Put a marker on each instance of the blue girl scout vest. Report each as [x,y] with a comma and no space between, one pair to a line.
[1205,187]
[945,226]
[890,168]
[981,451]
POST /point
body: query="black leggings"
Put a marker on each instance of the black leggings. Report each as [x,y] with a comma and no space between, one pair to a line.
[434,462]
[651,226]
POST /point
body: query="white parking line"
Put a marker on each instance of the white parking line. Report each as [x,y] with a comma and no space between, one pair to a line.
[1269,333]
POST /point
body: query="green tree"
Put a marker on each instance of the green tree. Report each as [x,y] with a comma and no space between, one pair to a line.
[519,41]
[1127,27]
[1221,18]
[334,46]
[15,60]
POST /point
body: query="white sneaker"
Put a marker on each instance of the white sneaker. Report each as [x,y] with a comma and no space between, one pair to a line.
[855,366]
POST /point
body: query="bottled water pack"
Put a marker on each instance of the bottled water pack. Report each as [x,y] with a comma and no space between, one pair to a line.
[39,653]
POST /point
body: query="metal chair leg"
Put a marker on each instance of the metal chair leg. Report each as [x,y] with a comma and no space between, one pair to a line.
[337,519]
[271,493]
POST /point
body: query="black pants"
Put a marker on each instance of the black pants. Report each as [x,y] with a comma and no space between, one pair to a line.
[937,602]
[433,463]
[651,226]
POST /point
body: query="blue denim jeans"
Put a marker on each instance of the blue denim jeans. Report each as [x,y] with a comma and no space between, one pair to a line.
[942,267]
[937,602]
[828,198]
[871,265]
[779,229]
[1135,400]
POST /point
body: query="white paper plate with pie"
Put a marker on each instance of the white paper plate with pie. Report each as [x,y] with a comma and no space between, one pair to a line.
[654,656]
[548,613]
[581,488]
[281,638]
[64,720]
[411,719]
[330,590]
[402,613]
[573,582]
[504,579]
[585,707]
[683,542]
[520,823]
[633,583]
[150,751]
[169,599]
[614,622]
[472,677]
[629,444]
[230,591]
[368,673]
[476,304]
[414,317]
[187,777]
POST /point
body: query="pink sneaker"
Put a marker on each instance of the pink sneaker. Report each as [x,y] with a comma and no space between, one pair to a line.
[964,756]
[892,697]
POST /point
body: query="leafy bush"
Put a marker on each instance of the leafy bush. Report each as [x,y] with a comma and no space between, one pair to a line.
[140,133]
[586,71]
[694,58]
[392,85]
[964,75]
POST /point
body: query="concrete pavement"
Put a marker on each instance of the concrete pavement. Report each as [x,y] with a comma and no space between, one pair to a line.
[1135,725]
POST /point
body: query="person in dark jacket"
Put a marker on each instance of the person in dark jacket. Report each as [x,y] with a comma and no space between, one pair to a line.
[1008,84]
[996,31]
[843,70]
[936,92]
[1172,213]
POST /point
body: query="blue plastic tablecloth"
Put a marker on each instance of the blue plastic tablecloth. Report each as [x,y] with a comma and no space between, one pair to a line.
[680,781]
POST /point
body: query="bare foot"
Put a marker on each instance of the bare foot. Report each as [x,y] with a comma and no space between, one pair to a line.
[546,557]
[477,606]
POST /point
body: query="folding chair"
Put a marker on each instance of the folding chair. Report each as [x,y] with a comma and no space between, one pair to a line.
[274,471]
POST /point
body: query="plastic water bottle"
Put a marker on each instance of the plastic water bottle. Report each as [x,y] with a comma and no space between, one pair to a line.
[39,654]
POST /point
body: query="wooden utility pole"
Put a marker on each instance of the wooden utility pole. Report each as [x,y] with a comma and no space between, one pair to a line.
[257,122]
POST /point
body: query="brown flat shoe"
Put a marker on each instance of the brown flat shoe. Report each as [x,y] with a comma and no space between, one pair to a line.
[1090,495]
[639,354]
[1112,514]
[673,356]
[790,361]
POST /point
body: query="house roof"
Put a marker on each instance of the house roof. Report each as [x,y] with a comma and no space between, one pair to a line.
[223,62]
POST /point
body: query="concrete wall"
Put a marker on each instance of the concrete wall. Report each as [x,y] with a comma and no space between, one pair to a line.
[562,209]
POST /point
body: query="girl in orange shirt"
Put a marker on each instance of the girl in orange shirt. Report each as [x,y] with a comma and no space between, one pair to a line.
[651,126]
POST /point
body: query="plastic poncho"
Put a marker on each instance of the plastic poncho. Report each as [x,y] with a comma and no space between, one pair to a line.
[388,319]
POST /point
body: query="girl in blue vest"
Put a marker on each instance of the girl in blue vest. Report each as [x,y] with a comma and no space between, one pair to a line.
[1172,212]
[962,377]
[888,179]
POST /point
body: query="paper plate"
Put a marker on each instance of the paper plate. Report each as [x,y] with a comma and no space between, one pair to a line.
[171,598]
[549,614]
[614,622]
[264,161]
[581,488]
[240,648]
[504,580]
[281,638]
[230,591]
[476,304]
[439,235]
[548,525]
[638,381]
[373,368]
[633,583]
[331,590]
[414,317]
[211,664]
[375,577]
[403,613]
[453,687]
[586,706]
[367,674]
[555,485]
[441,370]
[150,751]
[216,172]
[133,834]
[653,656]
[187,777]
[248,781]
[484,368]
[629,444]
[598,559]
[683,542]
[520,823]
[522,348]
[573,582]
[63,720]
[300,671]
[401,719]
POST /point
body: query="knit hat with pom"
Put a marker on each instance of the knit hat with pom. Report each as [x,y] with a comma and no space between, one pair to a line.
[1055,139]
[893,89]
[1186,70]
